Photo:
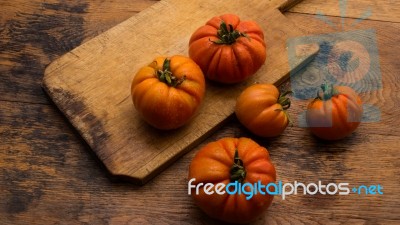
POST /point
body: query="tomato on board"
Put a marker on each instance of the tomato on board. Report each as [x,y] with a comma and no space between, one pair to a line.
[227,49]
[262,110]
[335,113]
[226,161]
[168,91]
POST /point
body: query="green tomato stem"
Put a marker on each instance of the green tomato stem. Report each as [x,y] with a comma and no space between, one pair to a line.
[328,91]
[165,75]
[228,36]
[285,101]
[237,172]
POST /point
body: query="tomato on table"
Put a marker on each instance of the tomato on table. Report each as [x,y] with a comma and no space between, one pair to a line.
[335,113]
[227,49]
[168,92]
[232,160]
[262,110]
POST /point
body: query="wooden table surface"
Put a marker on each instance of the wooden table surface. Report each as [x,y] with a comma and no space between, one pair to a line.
[48,175]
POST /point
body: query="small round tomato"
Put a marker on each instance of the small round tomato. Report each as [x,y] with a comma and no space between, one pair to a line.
[168,91]
[262,110]
[335,113]
[227,49]
[232,161]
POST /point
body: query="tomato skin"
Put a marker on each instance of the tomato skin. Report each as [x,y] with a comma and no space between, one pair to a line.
[337,117]
[259,110]
[164,106]
[228,63]
[212,164]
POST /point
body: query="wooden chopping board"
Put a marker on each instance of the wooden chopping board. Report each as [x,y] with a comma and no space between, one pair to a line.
[91,84]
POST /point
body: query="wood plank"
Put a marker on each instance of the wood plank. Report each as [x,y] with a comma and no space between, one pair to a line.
[91,84]
[382,10]
[48,176]
[34,33]
[103,15]
[27,46]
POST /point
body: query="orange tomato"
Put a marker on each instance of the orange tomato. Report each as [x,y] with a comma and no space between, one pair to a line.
[227,49]
[335,113]
[168,91]
[262,110]
[225,161]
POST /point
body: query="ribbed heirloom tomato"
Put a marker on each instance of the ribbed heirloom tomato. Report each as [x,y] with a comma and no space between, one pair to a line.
[227,49]
[225,161]
[168,91]
[335,113]
[262,110]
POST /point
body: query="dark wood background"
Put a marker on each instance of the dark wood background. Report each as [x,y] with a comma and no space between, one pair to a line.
[48,175]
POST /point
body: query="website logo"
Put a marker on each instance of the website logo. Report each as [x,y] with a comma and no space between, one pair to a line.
[282,189]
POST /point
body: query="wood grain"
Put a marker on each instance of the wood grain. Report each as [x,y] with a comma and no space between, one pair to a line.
[31,36]
[382,10]
[49,176]
[91,84]
[34,33]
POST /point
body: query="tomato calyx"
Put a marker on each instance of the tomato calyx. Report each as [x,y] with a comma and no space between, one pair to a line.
[237,171]
[228,36]
[165,75]
[284,101]
[328,91]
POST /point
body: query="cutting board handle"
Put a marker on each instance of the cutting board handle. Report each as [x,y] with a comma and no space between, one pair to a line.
[285,5]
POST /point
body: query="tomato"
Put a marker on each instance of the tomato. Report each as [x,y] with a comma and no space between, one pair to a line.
[168,91]
[227,49]
[335,113]
[262,110]
[226,161]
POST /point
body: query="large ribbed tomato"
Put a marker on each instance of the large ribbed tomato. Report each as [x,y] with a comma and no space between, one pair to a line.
[227,49]
[335,113]
[262,110]
[226,161]
[168,91]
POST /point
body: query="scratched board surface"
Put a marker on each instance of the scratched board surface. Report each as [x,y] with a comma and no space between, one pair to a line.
[91,84]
